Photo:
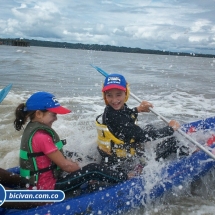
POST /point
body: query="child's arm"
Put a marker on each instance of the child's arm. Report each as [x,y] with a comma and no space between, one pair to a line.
[66,165]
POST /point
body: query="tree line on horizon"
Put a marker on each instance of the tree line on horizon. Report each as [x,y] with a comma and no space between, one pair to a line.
[97,47]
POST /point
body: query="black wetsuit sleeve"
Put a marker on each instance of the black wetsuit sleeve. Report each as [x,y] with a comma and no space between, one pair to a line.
[121,124]
[149,135]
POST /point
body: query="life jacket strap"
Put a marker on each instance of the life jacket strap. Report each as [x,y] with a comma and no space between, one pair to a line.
[27,173]
[26,155]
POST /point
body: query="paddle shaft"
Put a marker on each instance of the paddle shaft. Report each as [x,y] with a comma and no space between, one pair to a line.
[179,130]
[163,118]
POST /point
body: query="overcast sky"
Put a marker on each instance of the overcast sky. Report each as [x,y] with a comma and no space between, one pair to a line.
[173,25]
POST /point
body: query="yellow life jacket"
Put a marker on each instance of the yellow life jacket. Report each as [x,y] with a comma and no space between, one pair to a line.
[111,145]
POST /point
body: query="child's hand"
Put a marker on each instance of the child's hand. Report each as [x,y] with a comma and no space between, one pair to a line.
[75,166]
[144,107]
[174,124]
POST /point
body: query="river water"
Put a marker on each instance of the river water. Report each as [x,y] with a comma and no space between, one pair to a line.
[180,88]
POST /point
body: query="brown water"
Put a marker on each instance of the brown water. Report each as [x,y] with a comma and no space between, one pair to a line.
[180,88]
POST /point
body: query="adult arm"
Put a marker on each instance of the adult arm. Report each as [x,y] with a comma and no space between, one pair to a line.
[11,179]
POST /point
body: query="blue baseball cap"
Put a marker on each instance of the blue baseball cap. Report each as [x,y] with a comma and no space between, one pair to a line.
[45,101]
[116,81]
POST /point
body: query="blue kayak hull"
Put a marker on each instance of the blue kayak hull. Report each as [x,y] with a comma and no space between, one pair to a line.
[133,193]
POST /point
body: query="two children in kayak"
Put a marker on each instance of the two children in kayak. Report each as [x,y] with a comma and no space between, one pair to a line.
[120,140]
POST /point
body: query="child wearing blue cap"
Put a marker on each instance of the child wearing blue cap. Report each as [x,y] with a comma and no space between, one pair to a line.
[11,180]
[120,139]
[42,159]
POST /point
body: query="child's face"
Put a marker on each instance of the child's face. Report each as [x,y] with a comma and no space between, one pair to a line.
[115,98]
[46,118]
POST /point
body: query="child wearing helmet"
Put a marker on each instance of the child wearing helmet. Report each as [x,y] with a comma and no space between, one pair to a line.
[120,139]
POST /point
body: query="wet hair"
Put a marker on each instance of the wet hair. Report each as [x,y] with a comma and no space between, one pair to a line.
[22,116]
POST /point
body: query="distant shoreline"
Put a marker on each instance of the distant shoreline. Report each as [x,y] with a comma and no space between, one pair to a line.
[96,47]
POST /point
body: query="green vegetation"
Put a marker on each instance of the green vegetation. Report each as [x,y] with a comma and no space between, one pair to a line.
[97,47]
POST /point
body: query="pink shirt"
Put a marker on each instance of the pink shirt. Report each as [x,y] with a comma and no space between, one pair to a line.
[42,142]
